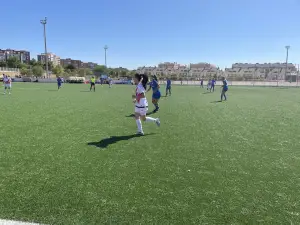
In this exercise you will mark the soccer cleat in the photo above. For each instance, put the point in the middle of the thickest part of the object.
(157, 122)
(156, 110)
(140, 133)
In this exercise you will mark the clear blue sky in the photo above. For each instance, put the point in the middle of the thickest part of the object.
(146, 32)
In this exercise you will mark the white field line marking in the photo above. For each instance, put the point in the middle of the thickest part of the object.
(29, 88)
(12, 222)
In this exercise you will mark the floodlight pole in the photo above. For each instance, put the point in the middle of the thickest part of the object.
(297, 74)
(286, 61)
(44, 22)
(105, 49)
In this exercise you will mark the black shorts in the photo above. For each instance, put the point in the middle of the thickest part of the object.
(92, 84)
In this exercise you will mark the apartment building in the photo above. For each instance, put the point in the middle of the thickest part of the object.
(51, 58)
(22, 55)
(68, 61)
(77, 63)
(89, 65)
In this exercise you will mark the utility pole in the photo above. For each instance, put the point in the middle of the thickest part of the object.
(297, 74)
(44, 22)
(286, 61)
(105, 49)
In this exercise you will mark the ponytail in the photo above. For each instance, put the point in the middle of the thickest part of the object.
(145, 80)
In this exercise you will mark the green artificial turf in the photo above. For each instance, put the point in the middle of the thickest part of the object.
(70, 157)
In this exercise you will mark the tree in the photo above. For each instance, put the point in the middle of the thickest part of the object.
(58, 70)
(111, 73)
(50, 65)
(84, 72)
(81, 72)
(100, 69)
(24, 71)
(38, 71)
(70, 67)
(33, 62)
(123, 73)
(89, 72)
(13, 62)
(3, 64)
(23, 65)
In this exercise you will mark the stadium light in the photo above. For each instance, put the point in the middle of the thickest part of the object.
(44, 22)
(286, 62)
(105, 49)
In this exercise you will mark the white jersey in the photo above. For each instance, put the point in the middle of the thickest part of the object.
(7, 81)
(141, 102)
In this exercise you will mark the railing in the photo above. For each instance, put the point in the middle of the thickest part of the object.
(4, 69)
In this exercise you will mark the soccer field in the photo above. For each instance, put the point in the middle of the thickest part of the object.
(71, 157)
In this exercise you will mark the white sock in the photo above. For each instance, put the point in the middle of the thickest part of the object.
(139, 125)
(150, 119)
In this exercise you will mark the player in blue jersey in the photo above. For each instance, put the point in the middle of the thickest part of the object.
(156, 93)
(168, 88)
(201, 83)
(224, 89)
(212, 85)
(59, 82)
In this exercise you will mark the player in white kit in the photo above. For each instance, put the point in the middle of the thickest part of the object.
(141, 103)
(7, 84)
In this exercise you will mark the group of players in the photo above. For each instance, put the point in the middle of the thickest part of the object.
(60, 80)
(141, 103)
(140, 100)
(211, 87)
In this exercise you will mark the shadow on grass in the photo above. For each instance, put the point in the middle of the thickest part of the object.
(148, 114)
(86, 91)
(207, 93)
(216, 101)
(114, 139)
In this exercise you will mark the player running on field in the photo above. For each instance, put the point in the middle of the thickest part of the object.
(141, 103)
(110, 81)
(156, 93)
(212, 85)
(7, 84)
(224, 89)
(168, 87)
(201, 83)
(59, 82)
(93, 84)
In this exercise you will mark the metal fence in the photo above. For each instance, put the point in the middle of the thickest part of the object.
(266, 83)
(4, 69)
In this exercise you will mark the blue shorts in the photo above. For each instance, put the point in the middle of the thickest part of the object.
(225, 89)
(58, 84)
(156, 95)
